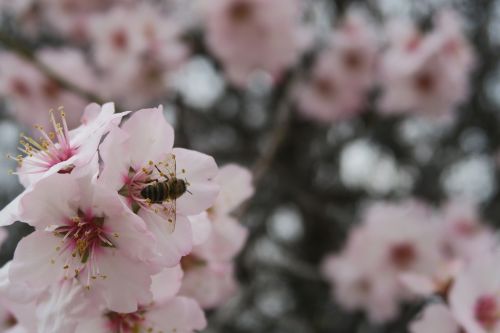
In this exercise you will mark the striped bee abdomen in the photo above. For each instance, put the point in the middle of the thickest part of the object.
(156, 193)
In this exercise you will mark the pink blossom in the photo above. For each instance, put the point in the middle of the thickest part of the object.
(141, 152)
(210, 283)
(138, 49)
(436, 318)
(393, 239)
(235, 27)
(344, 72)
(17, 304)
(475, 296)
(179, 314)
(208, 269)
(227, 236)
(465, 237)
(71, 18)
(30, 94)
(83, 231)
(61, 151)
(427, 74)
(64, 305)
(168, 312)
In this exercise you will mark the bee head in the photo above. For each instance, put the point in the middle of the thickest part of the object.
(180, 187)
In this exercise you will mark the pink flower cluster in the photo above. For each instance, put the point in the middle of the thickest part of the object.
(134, 49)
(416, 72)
(117, 210)
(408, 251)
(251, 35)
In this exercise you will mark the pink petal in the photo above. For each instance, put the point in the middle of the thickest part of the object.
(151, 135)
(235, 187)
(171, 246)
(167, 283)
(181, 315)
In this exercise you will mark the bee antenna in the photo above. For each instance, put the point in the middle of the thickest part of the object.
(188, 191)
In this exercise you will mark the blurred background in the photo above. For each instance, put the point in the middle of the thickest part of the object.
(314, 170)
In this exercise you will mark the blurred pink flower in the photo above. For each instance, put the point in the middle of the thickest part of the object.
(250, 35)
(475, 296)
(83, 231)
(138, 48)
(344, 73)
(426, 74)
(464, 236)
(140, 152)
(392, 239)
(30, 94)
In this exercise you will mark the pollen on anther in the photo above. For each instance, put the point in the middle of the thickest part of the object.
(66, 266)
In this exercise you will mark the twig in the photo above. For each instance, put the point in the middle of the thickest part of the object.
(28, 55)
(278, 136)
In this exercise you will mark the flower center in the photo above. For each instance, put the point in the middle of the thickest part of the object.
(83, 236)
(425, 83)
(466, 228)
(51, 89)
(10, 321)
(51, 149)
(119, 40)
(241, 11)
(324, 87)
(126, 322)
(20, 87)
(191, 261)
(155, 186)
(353, 59)
(487, 311)
(403, 255)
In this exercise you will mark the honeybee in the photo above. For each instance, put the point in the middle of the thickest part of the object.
(166, 191)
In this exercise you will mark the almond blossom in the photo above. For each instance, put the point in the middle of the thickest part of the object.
(344, 72)
(30, 93)
(84, 232)
(465, 236)
(475, 296)
(426, 73)
(208, 269)
(392, 240)
(168, 312)
(138, 49)
(235, 27)
(179, 314)
(141, 153)
(61, 151)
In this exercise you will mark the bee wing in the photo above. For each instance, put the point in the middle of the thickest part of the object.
(170, 166)
(170, 215)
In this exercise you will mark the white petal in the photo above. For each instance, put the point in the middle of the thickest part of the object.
(151, 136)
(167, 283)
(171, 246)
(182, 315)
(235, 187)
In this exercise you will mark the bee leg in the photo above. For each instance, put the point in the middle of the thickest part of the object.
(161, 173)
